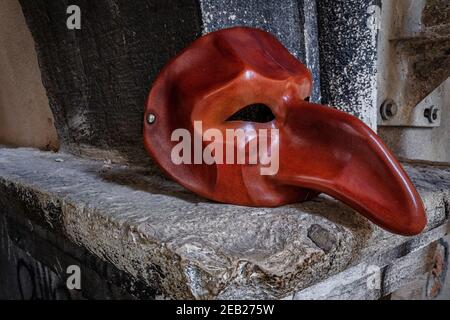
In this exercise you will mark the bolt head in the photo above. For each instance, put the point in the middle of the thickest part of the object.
(435, 115)
(391, 110)
(388, 109)
(431, 114)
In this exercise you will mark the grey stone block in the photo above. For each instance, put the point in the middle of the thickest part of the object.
(98, 78)
(183, 246)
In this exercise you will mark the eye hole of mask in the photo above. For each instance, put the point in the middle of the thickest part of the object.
(257, 112)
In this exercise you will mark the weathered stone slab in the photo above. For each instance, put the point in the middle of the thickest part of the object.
(377, 277)
(184, 246)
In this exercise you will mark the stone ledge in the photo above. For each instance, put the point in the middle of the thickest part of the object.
(183, 246)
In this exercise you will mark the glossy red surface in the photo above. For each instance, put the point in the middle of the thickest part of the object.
(320, 149)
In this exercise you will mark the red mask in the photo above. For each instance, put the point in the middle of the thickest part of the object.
(320, 149)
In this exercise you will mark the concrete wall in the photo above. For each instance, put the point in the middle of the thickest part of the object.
(25, 116)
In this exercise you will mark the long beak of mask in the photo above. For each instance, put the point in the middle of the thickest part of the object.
(228, 119)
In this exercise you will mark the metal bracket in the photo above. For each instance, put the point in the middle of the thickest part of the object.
(427, 113)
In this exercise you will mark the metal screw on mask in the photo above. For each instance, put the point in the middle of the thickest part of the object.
(151, 118)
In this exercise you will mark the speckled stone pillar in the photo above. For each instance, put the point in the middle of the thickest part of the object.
(348, 56)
